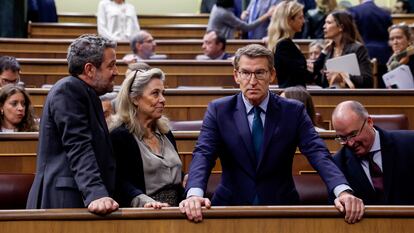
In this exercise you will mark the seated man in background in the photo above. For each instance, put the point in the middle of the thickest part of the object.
(9, 71)
(378, 164)
(214, 46)
(143, 45)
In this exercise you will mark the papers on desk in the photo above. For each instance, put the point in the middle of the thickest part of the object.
(399, 78)
(347, 63)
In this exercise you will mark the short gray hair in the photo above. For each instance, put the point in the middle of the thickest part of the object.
(253, 51)
(139, 37)
(87, 48)
(133, 87)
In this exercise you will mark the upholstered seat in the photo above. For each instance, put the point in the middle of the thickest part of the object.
(391, 121)
(14, 189)
(186, 125)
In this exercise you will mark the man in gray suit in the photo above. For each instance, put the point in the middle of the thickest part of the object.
(75, 165)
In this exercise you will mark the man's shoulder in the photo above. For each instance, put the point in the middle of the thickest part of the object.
(223, 101)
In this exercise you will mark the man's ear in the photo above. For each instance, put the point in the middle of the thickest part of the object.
(272, 75)
(89, 70)
(236, 76)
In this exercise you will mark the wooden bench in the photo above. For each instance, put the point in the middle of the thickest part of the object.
(174, 48)
(36, 72)
(190, 104)
(144, 20)
(399, 18)
(18, 151)
(74, 30)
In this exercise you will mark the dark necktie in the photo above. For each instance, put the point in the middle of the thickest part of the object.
(257, 132)
(376, 174)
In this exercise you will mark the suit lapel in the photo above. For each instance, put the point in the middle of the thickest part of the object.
(242, 124)
(357, 173)
(272, 118)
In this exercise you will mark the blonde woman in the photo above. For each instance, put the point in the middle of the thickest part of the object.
(148, 165)
(290, 63)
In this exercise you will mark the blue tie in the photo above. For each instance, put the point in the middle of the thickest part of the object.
(257, 132)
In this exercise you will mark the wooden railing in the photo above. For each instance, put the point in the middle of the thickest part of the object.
(240, 219)
(74, 30)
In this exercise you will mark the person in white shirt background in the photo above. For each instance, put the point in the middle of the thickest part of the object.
(117, 20)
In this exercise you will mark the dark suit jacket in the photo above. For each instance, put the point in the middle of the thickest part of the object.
(397, 151)
(373, 23)
(290, 65)
(75, 164)
(130, 171)
(225, 133)
(364, 80)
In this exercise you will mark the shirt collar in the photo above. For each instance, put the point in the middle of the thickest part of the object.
(376, 146)
(262, 105)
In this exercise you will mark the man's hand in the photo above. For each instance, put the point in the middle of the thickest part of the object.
(104, 205)
(192, 207)
(352, 206)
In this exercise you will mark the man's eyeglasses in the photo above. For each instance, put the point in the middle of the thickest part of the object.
(259, 74)
(5, 80)
(344, 139)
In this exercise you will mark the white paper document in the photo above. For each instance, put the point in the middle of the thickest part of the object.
(399, 78)
(347, 63)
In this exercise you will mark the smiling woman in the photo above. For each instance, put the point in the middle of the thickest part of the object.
(149, 168)
(16, 111)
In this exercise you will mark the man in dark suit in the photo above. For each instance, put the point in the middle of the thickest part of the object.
(214, 47)
(75, 165)
(255, 133)
(373, 23)
(377, 163)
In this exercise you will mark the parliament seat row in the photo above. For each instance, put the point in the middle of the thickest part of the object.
(144, 20)
(182, 18)
(190, 104)
(15, 187)
(74, 30)
(173, 48)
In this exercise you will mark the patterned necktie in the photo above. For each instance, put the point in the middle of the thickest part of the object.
(257, 132)
(376, 174)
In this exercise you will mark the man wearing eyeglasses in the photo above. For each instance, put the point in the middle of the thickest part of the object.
(9, 71)
(377, 163)
(143, 47)
(255, 134)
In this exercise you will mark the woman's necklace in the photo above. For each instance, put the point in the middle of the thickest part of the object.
(337, 52)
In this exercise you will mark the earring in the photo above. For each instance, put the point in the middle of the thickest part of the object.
(2, 112)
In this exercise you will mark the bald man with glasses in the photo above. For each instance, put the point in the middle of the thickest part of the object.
(378, 164)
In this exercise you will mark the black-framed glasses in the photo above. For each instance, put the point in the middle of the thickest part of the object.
(259, 74)
(344, 139)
